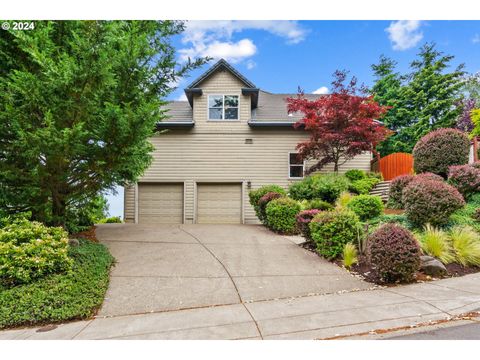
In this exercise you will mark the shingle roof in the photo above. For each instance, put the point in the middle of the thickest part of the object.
(218, 65)
(180, 111)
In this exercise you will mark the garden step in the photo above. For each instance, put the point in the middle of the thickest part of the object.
(382, 189)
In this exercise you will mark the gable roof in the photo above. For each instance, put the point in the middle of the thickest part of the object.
(221, 64)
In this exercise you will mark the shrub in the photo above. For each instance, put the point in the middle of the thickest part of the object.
(263, 202)
(255, 195)
(349, 255)
(430, 201)
(466, 245)
(476, 215)
(325, 187)
(465, 178)
(355, 174)
(396, 188)
(113, 220)
(318, 204)
(435, 242)
(466, 215)
(476, 164)
(343, 200)
(363, 186)
(366, 206)
(393, 253)
(331, 230)
(440, 149)
(304, 218)
(29, 250)
(81, 216)
(76, 294)
(428, 176)
(281, 215)
(375, 175)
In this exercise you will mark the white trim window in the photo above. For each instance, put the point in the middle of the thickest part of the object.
(223, 107)
(296, 167)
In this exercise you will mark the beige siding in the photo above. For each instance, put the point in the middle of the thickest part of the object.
(216, 151)
(221, 83)
(129, 204)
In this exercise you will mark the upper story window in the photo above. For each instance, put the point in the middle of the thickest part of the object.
(223, 107)
(296, 167)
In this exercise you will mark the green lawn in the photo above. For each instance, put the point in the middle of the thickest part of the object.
(73, 295)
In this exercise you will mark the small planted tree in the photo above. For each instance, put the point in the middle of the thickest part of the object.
(342, 124)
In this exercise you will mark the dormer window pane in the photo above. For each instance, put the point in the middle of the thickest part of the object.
(223, 107)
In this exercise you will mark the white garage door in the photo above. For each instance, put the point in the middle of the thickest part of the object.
(219, 203)
(160, 203)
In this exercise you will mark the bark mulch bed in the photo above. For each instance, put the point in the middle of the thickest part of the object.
(87, 234)
(393, 211)
(363, 269)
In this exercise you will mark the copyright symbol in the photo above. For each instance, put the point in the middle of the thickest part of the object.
(5, 26)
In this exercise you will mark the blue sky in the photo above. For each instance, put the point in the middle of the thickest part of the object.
(279, 56)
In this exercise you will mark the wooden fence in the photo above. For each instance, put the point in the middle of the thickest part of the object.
(394, 165)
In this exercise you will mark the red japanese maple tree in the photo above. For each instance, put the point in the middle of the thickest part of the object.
(342, 124)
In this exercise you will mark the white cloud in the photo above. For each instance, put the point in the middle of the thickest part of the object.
(214, 38)
(182, 97)
(404, 34)
(251, 64)
(321, 91)
(476, 39)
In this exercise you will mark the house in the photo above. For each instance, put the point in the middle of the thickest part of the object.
(228, 137)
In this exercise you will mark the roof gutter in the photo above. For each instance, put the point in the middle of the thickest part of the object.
(253, 123)
(189, 92)
(180, 124)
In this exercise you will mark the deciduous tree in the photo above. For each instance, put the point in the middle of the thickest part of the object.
(342, 124)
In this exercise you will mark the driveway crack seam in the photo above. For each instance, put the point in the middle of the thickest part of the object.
(229, 275)
(419, 300)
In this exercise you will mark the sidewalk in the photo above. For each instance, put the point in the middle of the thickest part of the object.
(306, 317)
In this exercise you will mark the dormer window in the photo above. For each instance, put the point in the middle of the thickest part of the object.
(223, 107)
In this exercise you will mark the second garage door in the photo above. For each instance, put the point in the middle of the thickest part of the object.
(160, 203)
(219, 203)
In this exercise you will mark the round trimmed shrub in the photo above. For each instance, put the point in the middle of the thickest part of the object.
(263, 202)
(440, 149)
(326, 187)
(393, 253)
(304, 218)
(355, 174)
(281, 215)
(318, 204)
(396, 188)
(428, 176)
(366, 206)
(476, 164)
(430, 201)
(331, 230)
(255, 195)
(465, 178)
(30, 250)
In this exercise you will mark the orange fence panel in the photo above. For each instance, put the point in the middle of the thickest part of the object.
(396, 164)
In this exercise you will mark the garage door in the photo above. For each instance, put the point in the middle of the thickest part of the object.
(219, 203)
(160, 203)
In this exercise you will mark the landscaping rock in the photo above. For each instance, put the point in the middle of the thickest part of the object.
(73, 242)
(431, 266)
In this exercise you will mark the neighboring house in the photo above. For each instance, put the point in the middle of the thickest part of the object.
(228, 138)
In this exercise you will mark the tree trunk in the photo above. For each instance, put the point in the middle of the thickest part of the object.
(58, 209)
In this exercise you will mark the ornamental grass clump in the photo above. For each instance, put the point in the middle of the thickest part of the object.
(304, 218)
(349, 255)
(331, 230)
(393, 253)
(436, 242)
(281, 215)
(430, 202)
(466, 245)
(465, 178)
(440, 149)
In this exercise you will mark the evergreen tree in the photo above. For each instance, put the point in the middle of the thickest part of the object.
(78, 102)
(422, 101)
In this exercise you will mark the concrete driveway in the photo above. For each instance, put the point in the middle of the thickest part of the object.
(173, 267)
